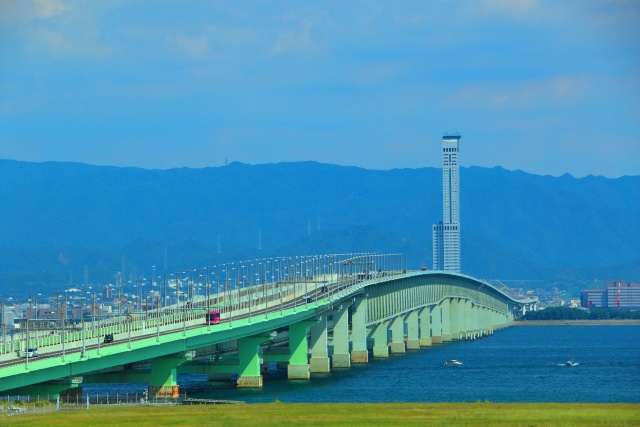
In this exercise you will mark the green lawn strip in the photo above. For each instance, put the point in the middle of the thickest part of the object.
(320, 414)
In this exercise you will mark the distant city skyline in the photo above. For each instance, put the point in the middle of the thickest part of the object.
(541, 86)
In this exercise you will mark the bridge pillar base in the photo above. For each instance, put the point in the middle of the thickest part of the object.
(298, 372)
(436, 340)
(413, 344)
(446, 337)
(425, 342)
(341, 360)
(359, 356)
(398, 347)
(319, 365)
(380, 351)
(253, 381)
(170, 391)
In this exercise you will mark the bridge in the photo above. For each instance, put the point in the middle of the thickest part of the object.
(308, 313)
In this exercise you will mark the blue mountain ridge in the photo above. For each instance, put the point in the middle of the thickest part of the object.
(64, 223)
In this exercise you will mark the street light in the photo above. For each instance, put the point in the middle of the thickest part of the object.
(157, 318)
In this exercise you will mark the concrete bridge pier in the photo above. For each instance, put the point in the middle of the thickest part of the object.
(413, 330)
(298, 368)
(457, 316)
(249, 375)
(473, 320)
(424, 316)
(436, 324)
(341, 357)
(359, 351)
(464, 312)
(163, 379)
(380, 335)
(396, 327)
(319, 361)
(445, 307)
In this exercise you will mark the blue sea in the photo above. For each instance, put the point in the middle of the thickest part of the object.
(517, 364)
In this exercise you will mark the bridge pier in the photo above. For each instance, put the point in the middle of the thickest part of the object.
(445, 307)
(380, 335)
(298, 368)
(319, 361)
(424, 316)
(436, 324)
(396, 327)
(359, 352)
(413, 334)
(163, 379)
(341, 358)
(249, 375)
(456, 307)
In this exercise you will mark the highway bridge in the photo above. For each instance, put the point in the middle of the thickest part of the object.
(308, 313)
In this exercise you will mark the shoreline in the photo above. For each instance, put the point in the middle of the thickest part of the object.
(599, 322)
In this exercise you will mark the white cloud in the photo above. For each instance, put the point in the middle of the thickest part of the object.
(298, 40)
(45, 9)
(522, 95)
(190, 46)
(19, 12)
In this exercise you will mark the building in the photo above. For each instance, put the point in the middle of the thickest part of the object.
(617, 294)
(446, 234)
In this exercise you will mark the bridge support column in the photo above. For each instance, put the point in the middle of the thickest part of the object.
(445, 306)
(359, 351)
(341, 358)
(319, 360)
(380, 335)
(474, 327)
(456, 310)
(464, 314)
(424, 314)
(436, 324)
(163, 378)
(249, 369)
(298, 368)
(413, 334)
(397, 335)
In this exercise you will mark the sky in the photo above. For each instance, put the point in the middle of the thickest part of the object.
(547, 87)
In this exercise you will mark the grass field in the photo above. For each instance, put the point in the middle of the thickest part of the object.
(321, 414)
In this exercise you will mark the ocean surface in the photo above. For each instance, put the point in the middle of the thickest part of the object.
(517, 364)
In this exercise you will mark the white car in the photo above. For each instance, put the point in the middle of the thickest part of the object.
(31, 352)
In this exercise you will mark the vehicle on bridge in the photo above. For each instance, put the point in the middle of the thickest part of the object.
(108, 338)
(30, 352)
(212, 317)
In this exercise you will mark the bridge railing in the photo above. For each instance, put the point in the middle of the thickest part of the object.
(255, 287)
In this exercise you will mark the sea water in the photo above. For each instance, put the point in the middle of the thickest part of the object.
(517, 364)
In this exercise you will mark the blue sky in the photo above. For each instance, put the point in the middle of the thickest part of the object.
(548, 87)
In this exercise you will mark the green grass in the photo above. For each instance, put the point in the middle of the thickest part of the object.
(323, 414)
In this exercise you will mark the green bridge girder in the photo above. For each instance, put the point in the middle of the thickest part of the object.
(388, 310)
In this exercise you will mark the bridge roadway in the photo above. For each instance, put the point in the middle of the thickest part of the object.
(311, 313)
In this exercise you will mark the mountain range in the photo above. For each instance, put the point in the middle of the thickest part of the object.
(69, 224)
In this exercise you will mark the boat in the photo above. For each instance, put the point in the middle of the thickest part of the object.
(571, 363)
(453, 362)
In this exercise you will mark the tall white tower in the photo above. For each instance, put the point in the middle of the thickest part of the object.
(446, 235)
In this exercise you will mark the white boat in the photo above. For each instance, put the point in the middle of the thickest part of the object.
(571, 363)
(453, 362)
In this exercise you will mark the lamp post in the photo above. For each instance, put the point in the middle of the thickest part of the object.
(2, 322)
(129, 325)
(146, 304)
(64, 327)
(82, 355)
(158, 318)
